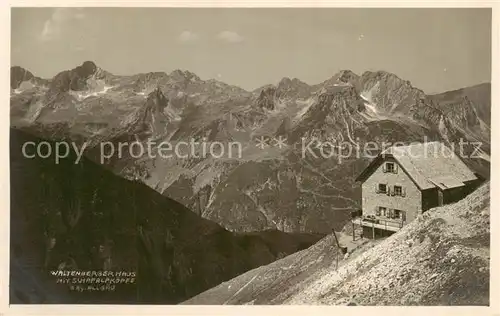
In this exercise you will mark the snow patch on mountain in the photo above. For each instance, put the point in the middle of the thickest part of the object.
(371, 112)
(306, 104)
(367, 94)
(84, 95)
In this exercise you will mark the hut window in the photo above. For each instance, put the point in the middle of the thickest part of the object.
(380, 210)
(398, 190)
(399, 214)
(389, 167)
(382, 188)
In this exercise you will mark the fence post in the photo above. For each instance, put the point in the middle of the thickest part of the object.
(353, 237)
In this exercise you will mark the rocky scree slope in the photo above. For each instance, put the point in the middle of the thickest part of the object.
(441, 258)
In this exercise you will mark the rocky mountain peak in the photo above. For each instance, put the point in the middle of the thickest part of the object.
(77, 79)
(86, 69)
(156, 100)
(379, 75)
(286, 89)
(286, 82)
(389, 92)
(346, 76)
(18, 75)
(335, 110)
(292, 89)
(151, 118)
(148, 81)
(344, 94)
(265, 100)
(184, 75)
(461, 111)
(390, 80)
(478, 97)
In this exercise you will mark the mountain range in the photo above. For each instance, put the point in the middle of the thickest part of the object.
(275, 187)
(67, 216)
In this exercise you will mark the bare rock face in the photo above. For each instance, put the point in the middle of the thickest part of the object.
(77, 79)
(19, 75)
(22, 79)
(390, 93)
(150, 81)
(184, 76)
(462, 112)
(343, 77)
(476, 98)
(347, 76)
(273, 96)
(266, 98)
(469, 108)
(334, 109)
(292, 89)
(151, 117)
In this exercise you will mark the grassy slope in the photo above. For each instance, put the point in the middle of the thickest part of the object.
(92, 214)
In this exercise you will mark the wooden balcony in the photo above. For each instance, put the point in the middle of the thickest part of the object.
(380, 222)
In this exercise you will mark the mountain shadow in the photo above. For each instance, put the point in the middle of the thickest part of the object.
(82, 217)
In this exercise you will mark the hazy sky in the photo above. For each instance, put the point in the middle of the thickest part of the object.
(436, 49)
